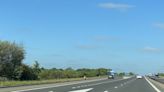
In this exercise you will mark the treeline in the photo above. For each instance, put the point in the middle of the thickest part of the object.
(71, 73)
(13, 68)
(35, 72)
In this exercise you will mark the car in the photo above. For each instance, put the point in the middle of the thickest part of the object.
(110, 77)
(139, 77)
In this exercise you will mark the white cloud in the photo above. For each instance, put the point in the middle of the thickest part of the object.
(117, 6)
(159, 25)
(151, 49)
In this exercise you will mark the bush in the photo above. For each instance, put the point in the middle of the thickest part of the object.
(28, 73)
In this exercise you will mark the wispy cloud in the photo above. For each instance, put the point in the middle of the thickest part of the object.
(159, 25)
(151, 49)
(117, 6)
(104, 38)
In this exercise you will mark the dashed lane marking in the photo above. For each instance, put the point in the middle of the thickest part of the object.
(82, 90)
(39, 88)
(115, 87)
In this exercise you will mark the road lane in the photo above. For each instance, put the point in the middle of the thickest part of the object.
(111, 85)
(139, 85)
(119, 85)
(80, 86)
(44, 86)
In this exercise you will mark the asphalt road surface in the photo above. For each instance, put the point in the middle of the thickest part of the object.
(118, 85)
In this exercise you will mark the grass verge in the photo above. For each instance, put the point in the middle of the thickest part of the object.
(38, 82)
(35, 82)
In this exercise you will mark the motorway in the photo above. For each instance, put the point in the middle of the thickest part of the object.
(106, 85)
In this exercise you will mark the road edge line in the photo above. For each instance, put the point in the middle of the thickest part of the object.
(156, 89)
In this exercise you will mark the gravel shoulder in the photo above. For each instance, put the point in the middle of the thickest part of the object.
(157, 84)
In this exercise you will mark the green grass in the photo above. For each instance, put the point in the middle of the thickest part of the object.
(36, 82)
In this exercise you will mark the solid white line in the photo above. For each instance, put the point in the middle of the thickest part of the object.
(156, 89)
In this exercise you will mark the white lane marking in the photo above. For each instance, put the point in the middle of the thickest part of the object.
(70, 84)
(89, 85)
(73, 87)
(115, 87)
(106, 91)
(61, 85)
(82, 90)
(50, 91)
(156, 89)
(105, 82)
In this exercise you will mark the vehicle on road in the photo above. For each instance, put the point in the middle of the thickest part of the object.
(139, 77)
(111, 74)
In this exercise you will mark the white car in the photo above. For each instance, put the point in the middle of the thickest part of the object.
(139, 77)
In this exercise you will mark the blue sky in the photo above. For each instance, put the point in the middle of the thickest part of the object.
(126, 35)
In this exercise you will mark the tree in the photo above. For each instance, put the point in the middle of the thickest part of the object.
(121, 74)
(101, 71)
(36, 67)
(27, 73)
(131, 73)
(11, 57)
